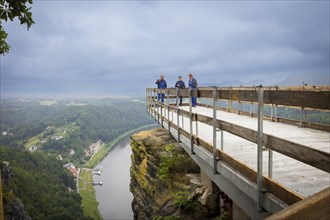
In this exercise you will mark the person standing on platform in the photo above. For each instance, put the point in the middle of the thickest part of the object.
(180, 85)
(193, 87)
(161, 84)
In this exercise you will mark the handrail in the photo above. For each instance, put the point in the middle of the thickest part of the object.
(304, 97)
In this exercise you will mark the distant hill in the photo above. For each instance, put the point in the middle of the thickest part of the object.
(237, 83)
(67, 129)
(308, 78)
(292, 80)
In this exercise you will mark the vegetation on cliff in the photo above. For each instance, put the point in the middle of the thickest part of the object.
(161, 179)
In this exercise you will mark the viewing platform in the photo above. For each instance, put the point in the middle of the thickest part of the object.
(264, 162)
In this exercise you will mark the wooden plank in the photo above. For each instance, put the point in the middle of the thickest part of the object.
(309, 99)
(315, 207)
(321, 127)
(310, 156)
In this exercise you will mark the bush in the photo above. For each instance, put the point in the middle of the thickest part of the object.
(168, 163)
(181, 200)
(224, 216)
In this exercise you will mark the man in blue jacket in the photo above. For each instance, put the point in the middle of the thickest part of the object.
(161, 84)
(193, 87)
(180, 85)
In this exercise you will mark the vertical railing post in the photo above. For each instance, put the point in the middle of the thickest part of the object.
(157, 105)
(164, 103)
(260, 146)
(275, 113)
(161, 110)
(301, 124)
(270, 163)
(147, 100)
(221, 140)
(172, 116)
(168, 110)
(191, 126)
(196, 125)
(172, 111)
(275, 110)
(150, 101)
(177, 113)
(271, 112)
(251, 109)
(215, 130)
(154, 96)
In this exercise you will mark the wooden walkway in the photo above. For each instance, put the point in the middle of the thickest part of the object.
(297, 176)
(264, 163)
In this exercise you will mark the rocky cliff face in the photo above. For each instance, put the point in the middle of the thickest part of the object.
(13, 206)
(165, 181)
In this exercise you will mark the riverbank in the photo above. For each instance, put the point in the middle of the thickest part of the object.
(87, 191)
(97, 158)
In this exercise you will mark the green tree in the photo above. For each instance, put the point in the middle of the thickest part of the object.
(10, 9)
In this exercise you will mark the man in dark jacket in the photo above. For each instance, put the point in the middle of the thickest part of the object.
(161, 84)
(193, 87)
(180, 85)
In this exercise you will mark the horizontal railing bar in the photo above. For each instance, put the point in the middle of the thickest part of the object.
(314, 98)
(313, 157)
(322, 127)
(306, 124)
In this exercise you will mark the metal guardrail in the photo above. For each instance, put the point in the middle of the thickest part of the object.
(302, 97)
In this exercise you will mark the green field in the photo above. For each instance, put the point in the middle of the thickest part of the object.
(60, 131)
(98, 156)
(33, 141)
(87, 193)
(48, 102)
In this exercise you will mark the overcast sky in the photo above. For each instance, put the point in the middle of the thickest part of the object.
(109, 48)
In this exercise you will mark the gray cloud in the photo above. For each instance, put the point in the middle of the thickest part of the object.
(119, 48)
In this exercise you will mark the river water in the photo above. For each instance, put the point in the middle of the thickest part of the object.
(113, 196)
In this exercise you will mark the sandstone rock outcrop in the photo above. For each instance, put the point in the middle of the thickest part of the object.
(165, 181)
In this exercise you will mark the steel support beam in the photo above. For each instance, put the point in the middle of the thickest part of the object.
(191, 123)
(168, 109)
(260, 146)
(214, 131)
(177, 113)
(270, 163)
